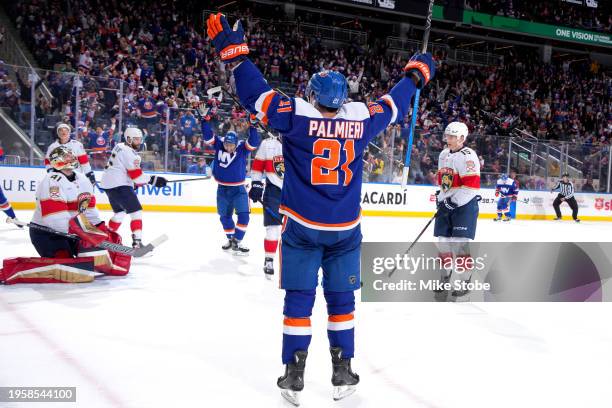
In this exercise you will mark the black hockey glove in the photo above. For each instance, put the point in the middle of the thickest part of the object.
(256, 191)
(446, 205)
(158, 181)
(92, 177)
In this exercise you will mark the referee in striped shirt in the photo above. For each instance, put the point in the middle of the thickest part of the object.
(566, 193)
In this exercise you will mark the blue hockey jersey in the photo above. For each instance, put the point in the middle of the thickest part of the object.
(323, 157)
(508, 188)
(230, 169)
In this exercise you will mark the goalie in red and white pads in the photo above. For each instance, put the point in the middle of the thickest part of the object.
(65, 203)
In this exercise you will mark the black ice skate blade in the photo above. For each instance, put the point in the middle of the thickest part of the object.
(343, 391)
(293, 397)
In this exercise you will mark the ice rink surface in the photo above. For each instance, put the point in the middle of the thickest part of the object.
(192, 326)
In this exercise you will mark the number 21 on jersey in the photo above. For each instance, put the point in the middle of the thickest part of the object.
(323, 166)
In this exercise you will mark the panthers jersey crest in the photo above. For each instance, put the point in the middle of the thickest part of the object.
(279, 166)
(446, 178)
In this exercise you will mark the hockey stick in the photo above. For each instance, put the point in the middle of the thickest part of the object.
(272, 214)
(517, 200)
(416, 240)
(188, 179)
(135, 252)
(415, 105)
(261, 126)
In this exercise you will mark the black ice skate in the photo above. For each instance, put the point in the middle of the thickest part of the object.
(136, 242)
(557, 218)
(498, 218)
(269, 268)
(228, 245)
(292, 383)
(506, 219)
(344, 379)
(577, 220)
(238, 248)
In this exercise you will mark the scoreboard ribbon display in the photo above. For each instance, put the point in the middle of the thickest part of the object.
(404, 6)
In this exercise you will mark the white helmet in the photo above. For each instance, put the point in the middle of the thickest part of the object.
(61, 126)
(457, 129)
(131, 133)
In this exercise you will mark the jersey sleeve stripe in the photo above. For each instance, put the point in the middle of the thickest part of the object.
(47, 162)
(83, 159)
(258, 165)
(263, 102)
(472, 181)
(49, 207)
(388, 100)
(249, 147)
(134, 173)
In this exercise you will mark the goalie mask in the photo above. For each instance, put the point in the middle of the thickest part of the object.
(62, 158)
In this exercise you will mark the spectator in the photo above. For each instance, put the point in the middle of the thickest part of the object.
(200, 167)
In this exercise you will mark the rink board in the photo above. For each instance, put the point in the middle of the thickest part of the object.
(19, 185)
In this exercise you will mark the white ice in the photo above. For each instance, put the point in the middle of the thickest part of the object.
(192, 326)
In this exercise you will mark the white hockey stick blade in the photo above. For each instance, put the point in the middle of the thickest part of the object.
(150, 246)
(292, 396)
(343, 391)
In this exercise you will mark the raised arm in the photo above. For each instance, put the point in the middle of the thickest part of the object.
(396, 104)
(253, 91)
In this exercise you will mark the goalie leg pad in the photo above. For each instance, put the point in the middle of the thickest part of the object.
(47, 270)
(110, 263)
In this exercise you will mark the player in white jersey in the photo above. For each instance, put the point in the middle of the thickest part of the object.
(459, 181)
(77, 149)
(65, 204)
(61, 195)
(121, 175)
(269, 162)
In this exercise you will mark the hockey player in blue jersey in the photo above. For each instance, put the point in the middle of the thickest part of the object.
(506, 192)
(229, 171)
(6, 207)
(323, 143)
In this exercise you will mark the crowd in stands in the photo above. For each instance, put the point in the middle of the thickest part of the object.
(160, 52)
(590, 15)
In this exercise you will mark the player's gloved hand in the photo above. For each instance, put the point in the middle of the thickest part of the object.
(92, 177)
(158, 181)
(256, 191)
(229, 42)
(447, 205)
(92, 236)
(423, 66)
